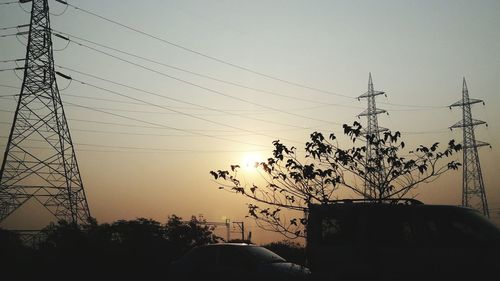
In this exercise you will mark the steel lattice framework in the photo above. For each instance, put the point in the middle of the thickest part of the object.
(473, 193)
(39, 161)
(374, 168)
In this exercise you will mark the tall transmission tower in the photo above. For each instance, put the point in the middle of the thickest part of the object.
(473, 193)
(374, 172)
(39, 161)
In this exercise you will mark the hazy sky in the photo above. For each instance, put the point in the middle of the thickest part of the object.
(156, 161)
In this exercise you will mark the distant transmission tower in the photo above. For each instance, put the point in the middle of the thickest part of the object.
(374, 172)
(473, 193)
(39, 161)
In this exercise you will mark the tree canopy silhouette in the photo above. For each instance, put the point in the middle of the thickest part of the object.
(292, 182)
(139, 248)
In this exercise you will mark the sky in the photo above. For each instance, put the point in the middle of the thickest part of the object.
(227, 78)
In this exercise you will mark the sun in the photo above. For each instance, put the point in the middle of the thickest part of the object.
(251, 160)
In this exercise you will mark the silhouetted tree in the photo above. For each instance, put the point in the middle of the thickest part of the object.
(291, 183)
(289, 250)
(125, 249)
(14, 255)
(186, 235)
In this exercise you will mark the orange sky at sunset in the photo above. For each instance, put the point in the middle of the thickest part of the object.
(229, 77)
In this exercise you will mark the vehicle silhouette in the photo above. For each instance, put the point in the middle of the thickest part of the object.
(235, 261)
(400, 240)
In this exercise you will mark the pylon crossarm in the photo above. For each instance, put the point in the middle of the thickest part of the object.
(472, 123)
(462, 103)
(371, 94)
(368, 113)
(478, 144)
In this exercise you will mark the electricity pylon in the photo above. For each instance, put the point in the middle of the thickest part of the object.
(473, 193)
(375, 172)
(39, 161)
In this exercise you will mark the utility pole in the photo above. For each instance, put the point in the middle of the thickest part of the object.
(374, 171)
(473, 193)
(226, 224)
(39, 161)
(240, 229)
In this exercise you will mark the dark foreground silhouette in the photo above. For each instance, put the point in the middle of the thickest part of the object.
(235, 261)
(138, 249)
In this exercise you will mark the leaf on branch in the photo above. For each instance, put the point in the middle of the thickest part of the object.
(234, 180)
(252, 210)
(454, 165)
(239, 190)
(266, 168)
(422, 168)
(434, 146)
(223, 174)
(270, 162)
(234, 167)
(387, 135)
(214, 174)
(275, 212)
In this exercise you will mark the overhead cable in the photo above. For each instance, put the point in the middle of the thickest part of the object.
(71, 37)
(234, 65)
(206, 88)
(164, 126)
(170, 98)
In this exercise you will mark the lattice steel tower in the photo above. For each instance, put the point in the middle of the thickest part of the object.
(375, 172)
(473, 193)
(39, 161)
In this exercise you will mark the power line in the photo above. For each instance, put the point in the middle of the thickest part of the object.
(412, 105)
(146, 148)
(8, 35)
(421, 107)
(9, 86)
(8, 69)
(220, 61)
(197, 117)
(179, 107)
(6, 96)
(147, 134)
(196, 73)
(229, 63)
(102, 99)
(17, 27)
(166, 108)
(211, 130)
(440, 132)
(182, 113)
(164, 126)
(166, 97)
(243, 115)
(205, 88)
(150, 127)
(12, 60)
(208, 56)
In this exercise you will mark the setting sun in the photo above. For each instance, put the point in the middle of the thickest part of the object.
(251, 160)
